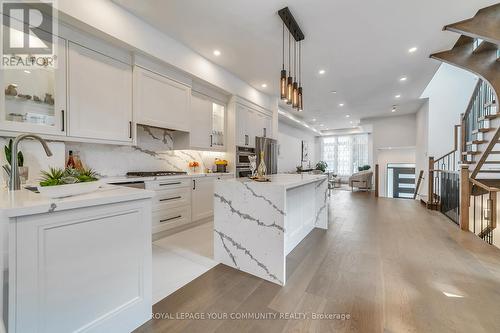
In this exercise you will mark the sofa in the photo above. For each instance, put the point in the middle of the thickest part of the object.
(362, 180)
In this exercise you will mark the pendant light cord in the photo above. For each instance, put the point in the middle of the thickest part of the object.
(289, 62)
(300, 63)
(283, 47)
(294, 60)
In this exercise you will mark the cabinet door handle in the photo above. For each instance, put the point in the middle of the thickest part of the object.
(211, 140)
(62, 121)
(166, 184)
(173, 198)
(130, 130)
(264, 131)
(171, 218)
(246, 140)
(194, 184)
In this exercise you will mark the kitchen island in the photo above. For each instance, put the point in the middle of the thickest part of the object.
(81, 263)
(257, 224)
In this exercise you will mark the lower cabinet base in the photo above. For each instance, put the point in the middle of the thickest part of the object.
(83, 270)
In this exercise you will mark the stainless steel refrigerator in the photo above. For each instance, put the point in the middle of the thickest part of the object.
(270, 148)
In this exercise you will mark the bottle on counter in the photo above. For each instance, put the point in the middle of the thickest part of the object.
(71, 161)
(77, 160)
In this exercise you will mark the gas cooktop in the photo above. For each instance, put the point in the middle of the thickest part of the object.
(154, 173)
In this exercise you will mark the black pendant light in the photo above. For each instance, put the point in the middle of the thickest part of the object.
(290, 90)
(295, 92)
(289, 85)
(283, 71)
(301, 105)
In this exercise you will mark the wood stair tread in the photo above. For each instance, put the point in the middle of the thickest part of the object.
(477, 142)
(489, 117)
(489, 171)
(471, 153)
(483, 130)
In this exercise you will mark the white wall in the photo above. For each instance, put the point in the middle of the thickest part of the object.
(290, 141)
(397, 133)
(421, 149)
(449, 93)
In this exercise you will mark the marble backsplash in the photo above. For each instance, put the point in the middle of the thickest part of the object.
(154, 152)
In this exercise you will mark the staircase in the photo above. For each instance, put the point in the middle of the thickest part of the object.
(476, 171)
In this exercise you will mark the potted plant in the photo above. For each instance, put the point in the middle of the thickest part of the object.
(59, 183)
(23, 170)
(321, 165)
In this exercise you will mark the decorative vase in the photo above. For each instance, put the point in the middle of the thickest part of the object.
(262, 170)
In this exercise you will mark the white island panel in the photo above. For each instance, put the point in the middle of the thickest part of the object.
(257, 224)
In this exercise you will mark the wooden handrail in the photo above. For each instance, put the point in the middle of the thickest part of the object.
(484, 186)
(455, 144)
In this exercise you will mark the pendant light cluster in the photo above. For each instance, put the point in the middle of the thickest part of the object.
(290, 88)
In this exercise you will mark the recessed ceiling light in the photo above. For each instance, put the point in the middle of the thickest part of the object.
(321, 71)
(216, 53)
(404, 78)
(350, 122)
(263, 85)
(347, 115)
(413, 49)
(314, 119)
(341, 104)
(321, 125)
(333, 91)
(27, 71)
(397, 96)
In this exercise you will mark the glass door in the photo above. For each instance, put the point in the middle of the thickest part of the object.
(34, 99)
(218, 122)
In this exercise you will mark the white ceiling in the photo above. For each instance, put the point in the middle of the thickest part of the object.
(362, 44)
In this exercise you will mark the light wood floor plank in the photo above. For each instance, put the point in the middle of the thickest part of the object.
(391, 265)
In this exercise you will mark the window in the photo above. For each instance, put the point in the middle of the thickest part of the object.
(344, 154)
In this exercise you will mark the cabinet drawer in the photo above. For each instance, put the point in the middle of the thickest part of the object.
(172, 198)
(170, 218)
(168, 184)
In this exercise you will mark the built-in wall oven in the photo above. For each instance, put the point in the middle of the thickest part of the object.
(242, 161)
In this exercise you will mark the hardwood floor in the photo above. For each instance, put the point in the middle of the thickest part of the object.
(391, 265)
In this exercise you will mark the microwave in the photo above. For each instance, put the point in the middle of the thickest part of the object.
(242, 154)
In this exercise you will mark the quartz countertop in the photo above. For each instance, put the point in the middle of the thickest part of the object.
(25, 202)
(283, 180)
(124, 179)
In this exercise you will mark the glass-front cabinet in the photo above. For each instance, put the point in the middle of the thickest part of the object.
(33, 99)
(207, 123)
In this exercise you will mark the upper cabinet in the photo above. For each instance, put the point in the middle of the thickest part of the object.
(100, 96)
(207, 123)
(160, 101)
(34, 100)
(251, 123)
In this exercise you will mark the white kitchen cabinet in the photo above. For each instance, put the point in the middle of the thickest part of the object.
(100, 96)
(201, 122)
(85, 269)
(250, 124)
(36, 99)
(160, 101)
(207, 123)
(202, 204)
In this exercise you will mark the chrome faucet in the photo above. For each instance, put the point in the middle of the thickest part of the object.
(15, 180)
